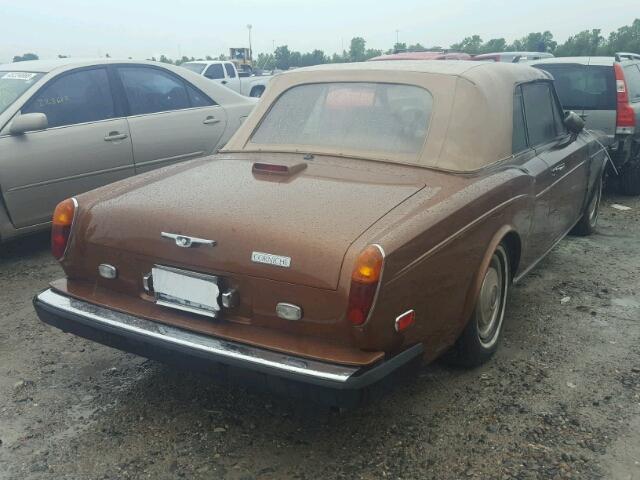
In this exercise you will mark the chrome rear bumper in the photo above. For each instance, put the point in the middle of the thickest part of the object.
(133, 334)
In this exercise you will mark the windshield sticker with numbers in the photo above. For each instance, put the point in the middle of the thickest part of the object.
(26, 76)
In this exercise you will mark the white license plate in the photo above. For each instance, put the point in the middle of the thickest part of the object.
(184, 290)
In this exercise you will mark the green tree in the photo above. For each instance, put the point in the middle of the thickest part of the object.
(625, 39)
(416, 47)
(357, 49)
(266, 61)
(337, 58)
(317, 57)
(282, 56)
(372, 52)
(470, 45)
(494, 45)
(25, 57)
(295, 59)
(585, 43)
(397, 47)
(164, 59)
(535, 42)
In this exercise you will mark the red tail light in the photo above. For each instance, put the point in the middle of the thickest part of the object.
(61, 226)
(365, 280)
(626, 117)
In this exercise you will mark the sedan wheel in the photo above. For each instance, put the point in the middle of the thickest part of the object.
(587, 223)
(493, 296)
(480, 338)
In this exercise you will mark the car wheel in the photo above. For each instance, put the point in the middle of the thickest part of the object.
(630, 178)
(587, 223)
(480, 338)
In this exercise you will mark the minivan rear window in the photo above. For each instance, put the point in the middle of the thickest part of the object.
(584, 87)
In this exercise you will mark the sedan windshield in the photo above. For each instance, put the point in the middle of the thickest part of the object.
(194, 67)
(365, 117)
(14, 84)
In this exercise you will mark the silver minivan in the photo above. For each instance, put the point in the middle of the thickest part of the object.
(605, 91)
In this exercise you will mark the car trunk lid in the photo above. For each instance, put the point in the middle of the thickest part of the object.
(305, 220)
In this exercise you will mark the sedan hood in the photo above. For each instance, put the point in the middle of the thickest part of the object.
(311, 217)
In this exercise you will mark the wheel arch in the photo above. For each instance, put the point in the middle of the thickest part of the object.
(511, 239)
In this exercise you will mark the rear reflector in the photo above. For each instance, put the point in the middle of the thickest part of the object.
(405, 320)
(276, 169)
(61, 226)
(626, 117)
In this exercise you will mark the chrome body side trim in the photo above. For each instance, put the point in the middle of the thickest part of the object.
(246, 354)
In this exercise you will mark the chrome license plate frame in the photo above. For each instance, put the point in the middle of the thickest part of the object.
(186, 290)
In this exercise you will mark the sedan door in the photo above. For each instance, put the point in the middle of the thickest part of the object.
(565, 178)
(86, 145)
(170, 120)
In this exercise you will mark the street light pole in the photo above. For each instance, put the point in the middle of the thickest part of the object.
(249, 26)
(397, 38)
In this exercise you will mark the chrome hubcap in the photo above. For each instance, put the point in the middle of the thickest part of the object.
(492, 299)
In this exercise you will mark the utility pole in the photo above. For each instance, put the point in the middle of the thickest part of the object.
(249, 26)
(397, 37)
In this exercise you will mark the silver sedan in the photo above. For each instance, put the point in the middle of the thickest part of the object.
(68, 126)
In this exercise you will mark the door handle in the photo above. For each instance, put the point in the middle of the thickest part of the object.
(224, 82)
(558, 168)
(113, 136)
(210, 120)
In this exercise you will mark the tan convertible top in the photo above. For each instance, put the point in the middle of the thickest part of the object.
(471, 123)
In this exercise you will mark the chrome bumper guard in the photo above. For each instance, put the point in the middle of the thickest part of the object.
(77, 316)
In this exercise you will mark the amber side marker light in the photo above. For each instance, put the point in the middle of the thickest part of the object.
(365, 280)
(61, 226)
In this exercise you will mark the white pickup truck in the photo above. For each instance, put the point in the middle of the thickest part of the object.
(226, 73)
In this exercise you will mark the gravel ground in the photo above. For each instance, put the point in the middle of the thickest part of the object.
(561, 399)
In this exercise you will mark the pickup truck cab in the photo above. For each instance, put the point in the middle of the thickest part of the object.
(226, 73)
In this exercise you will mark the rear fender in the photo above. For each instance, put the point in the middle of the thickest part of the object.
(474, 289)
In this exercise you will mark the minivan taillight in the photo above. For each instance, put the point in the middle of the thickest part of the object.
(625, 117)
(61, 226)
(365, 280)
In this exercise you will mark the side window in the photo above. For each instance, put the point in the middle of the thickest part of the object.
(150, 90)
(558, 114)
(198, 99)
(632, 76)
(231, 73)
(539, 113)
(519, 142)
(214, 72)
(77, 97)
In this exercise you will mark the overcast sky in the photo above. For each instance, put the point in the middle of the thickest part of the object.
(145, 28)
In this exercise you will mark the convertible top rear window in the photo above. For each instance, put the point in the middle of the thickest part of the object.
(371, 117)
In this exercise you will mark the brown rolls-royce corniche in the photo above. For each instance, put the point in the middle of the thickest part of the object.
(364, 216)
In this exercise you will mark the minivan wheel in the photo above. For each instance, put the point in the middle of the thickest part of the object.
(587, 223)
(630, 178)
(481, 336)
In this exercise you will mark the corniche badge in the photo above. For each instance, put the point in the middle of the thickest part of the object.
(185, 241)
(269, 259)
